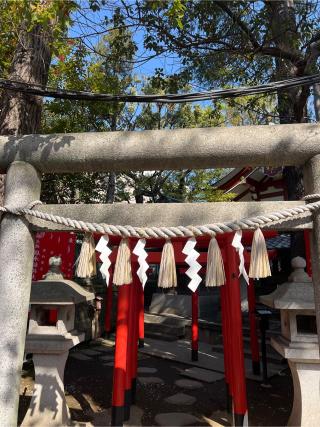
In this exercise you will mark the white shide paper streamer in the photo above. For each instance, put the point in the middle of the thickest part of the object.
(105, 253)
(237, 244)
(194, 266)
(142, 255)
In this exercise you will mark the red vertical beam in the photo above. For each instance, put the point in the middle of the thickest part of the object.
(195, 326)
(254, 341)
(236, 356)
(130, 342)
(141, 316)
(120, 359)
(108, 306)
(308, 252)
(226, 346)
(136, 317)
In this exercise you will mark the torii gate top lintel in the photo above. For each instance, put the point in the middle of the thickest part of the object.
(196, 148)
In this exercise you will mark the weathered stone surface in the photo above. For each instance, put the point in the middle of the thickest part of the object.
(147, 370)
(171, 149)
(188, 384)
(176, 419)
(181, 399)
(172, 214)
(16, 261)
(150, 380)
(202, 374)
(48, 406)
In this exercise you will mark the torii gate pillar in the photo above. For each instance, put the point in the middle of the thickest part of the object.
(16, 260)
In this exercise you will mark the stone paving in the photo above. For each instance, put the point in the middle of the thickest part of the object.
(202, 374)
(188, 384)
(147, 377)
(176, 419)
(181, 401)
(180, 351)
(150, 380)
(146, 370)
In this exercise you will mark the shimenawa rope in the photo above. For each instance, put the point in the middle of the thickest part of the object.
(250, 223)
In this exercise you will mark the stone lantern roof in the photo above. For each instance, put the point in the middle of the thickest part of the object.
(55, 290)
(296, 294)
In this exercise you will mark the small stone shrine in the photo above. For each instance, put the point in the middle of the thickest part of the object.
(299, 342)
(50, 336)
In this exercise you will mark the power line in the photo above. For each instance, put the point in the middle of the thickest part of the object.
(32, 89)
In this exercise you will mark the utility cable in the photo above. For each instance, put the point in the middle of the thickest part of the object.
(33, 89)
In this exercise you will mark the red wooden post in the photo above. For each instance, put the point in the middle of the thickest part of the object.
(108, 306)
(195, 326)
(254, 341)
(120, 359)
(130, 346)
(141, 317)
(236, 356)
(136, 317)
(226, 346)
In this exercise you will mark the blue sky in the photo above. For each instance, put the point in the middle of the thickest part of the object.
(88, 23)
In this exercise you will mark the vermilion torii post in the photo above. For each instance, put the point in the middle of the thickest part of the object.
(195, 326)
(130, 346)
(238, 378)
(120, 358)
(226, 346)
(137, 286)
(254, 340)
(108, 306)
(141, 317)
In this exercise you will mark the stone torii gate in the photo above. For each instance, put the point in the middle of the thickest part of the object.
(24, 157)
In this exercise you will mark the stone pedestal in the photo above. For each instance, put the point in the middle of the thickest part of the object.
(306, 403)
(48, 405)
(299, 342)
(304, 363)
(51, 334)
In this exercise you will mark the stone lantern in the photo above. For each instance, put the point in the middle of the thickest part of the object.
(299, 342)
(51, 334)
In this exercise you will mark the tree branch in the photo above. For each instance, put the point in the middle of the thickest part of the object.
(242, 25)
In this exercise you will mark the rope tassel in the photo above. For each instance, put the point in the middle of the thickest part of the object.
(87, 266)
(259, 262)
(215, 275)
(122, 270)
(167, 272)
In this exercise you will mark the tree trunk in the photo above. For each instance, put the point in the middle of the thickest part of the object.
(21, 113)
(111, 189)
(316, 101)
(291, 103)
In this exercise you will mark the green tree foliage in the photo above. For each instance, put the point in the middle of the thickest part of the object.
(109, 70)
(18, 15)
(237, 42)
